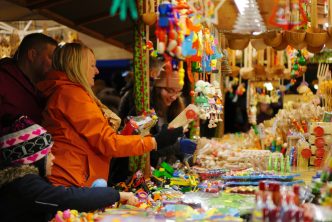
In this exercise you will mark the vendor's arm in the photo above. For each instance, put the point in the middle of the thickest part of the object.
(87, 119)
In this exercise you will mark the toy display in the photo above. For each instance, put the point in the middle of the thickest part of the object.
(243, 176)
(214, 155)
(208, 98)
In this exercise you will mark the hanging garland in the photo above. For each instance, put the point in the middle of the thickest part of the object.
(141, 87)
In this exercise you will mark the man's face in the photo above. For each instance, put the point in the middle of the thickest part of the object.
(43, 61)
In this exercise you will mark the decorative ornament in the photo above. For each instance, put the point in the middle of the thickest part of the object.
(205, 11)
(250, 21)
(288, 14)
(141, 89)
(123, 6)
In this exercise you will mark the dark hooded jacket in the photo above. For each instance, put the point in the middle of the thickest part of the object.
(18, 96)
(26, 196)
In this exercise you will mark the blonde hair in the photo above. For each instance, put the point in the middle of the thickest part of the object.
(71, 58)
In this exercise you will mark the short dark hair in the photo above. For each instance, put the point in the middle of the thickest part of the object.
(34, 40)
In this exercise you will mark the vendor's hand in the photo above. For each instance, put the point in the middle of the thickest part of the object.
(167, 137)
(128, 198)
(187, 146)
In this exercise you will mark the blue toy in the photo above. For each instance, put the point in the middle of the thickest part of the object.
(99, 183)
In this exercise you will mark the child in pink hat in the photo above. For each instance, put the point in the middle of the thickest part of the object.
(25, 161)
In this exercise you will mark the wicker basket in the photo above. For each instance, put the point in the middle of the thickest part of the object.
(259, 70)
(247, 72)
(235, 71)
(300, 45)
(316, 38)
(258, 44)
(314, 49)
(329, 31)
(286, 74)
(149, 18)
(328, 43)
(283, 43)
(295, 38)
(278, 70)
(238, 44)
(275, 41)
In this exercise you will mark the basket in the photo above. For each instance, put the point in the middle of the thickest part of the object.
(329, 31)
(286, 74)
(316, 38)
(258, 44)
(300, 45)
(328, 43)
(235, 71)
(278, 70)
(247, 72)
(275, 41)
(295, 37)
(314, 49)
(259, 70)
(238, 44)
(283, 43)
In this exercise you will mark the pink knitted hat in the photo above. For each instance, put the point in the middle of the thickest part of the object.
(24, 142)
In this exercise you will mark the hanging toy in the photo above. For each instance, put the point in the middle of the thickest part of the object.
(181, 73)
(251, 13)
(187, 46)
(288, 14)
(169, 28)
(123, 6)
(208, 98)
(205, 11)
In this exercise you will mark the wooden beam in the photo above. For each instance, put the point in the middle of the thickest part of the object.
(123, 32)
(45, 4)
(62, 20)
(93, 18)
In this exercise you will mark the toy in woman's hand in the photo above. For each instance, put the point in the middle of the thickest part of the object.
(140, 124)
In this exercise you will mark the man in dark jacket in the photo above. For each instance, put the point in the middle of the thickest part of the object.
(25, 194)
(19, 75)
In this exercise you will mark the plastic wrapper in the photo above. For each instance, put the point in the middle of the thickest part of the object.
(213, 155)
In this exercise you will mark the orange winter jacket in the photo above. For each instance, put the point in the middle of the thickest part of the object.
(84, 143)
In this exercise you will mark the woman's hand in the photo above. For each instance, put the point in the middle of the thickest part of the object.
(128, 198)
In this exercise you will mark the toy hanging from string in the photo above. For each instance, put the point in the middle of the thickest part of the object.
(122, 6)
(250, 21)
(208, 98)
(298, 62)
(168, 32)
(288, 14)
(205, 11)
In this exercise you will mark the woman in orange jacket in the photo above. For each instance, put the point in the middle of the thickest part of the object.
(83, 129)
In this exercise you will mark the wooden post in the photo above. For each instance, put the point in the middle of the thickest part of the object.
(330, 13)
(314, 24)
(221, 125)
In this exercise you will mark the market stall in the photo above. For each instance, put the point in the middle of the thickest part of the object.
(281, 169)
